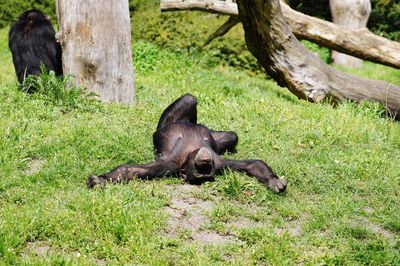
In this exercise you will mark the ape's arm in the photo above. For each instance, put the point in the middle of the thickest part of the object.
(181, 110)
(126, 172)
(259, 169)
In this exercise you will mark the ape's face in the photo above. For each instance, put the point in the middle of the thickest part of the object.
(199, 166)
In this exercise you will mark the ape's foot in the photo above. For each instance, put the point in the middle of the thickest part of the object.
(277, 185)
(95, 181)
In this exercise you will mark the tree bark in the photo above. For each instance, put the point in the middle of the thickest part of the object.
(351, 14)
(95, 37)
(270, 40)
(357, 42)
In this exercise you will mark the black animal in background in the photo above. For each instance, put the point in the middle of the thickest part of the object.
(191, 151)
(32, 42)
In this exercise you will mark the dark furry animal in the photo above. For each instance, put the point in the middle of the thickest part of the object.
(191, 151)
(32, 42)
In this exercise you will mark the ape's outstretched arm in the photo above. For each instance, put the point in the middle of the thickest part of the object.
(126, 172)
(258, 169)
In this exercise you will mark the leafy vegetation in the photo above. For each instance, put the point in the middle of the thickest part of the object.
(11, 9)
(341, 163)
(186, 32)
(385, 18)
(59, 91)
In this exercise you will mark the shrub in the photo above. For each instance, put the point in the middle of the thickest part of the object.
(385, 19)
(11, 9)
(187, 31)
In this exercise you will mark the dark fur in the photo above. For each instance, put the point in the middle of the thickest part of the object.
(191, 151)
(32, 42)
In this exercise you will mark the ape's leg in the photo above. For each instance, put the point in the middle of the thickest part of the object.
(225, 140)
(183, 109)
(125, 173)
(258, 169)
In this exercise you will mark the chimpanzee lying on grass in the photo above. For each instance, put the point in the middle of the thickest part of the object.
(191, 151)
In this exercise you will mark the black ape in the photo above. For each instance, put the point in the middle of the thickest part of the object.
(191, 151)
(32, 42)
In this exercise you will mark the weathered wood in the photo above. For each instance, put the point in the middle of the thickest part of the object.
(220, 7)
(96, 40)
(357, 42)
(351, 14)
(270, 40)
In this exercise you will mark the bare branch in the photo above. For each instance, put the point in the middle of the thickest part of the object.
(219, 7)
(221, 31)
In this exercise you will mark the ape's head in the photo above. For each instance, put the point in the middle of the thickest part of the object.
(34, 16)
(199, 166)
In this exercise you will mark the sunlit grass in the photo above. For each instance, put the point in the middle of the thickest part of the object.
(7, 72)
(341, 206)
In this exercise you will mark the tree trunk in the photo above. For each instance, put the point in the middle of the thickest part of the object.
(270, 40)
(351, 14)
(95, 37)
(357, 42)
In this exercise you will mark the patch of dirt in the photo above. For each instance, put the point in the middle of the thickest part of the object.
(188, 211)
(377, 229)
(244, 222)
(213, 238)
(373, 228)
(100, 262)
(40, 248)
(43, 249)
(33, 167)
(188, 214)
(293, 228)
(369, 210)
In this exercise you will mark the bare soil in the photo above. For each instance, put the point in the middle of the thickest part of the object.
(189, 215)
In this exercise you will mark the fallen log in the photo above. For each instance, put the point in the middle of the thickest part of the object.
(360, 43)
(269, 39)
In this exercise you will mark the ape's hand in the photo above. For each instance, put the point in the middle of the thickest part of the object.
(277, 185)
(95, 181)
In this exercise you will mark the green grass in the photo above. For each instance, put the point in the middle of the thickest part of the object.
(342, 166)
(7, 71)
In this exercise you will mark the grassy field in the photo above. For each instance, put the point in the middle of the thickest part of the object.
(342, 165)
